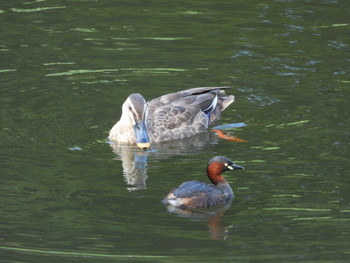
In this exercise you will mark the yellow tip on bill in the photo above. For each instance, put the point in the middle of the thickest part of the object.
(143, 145)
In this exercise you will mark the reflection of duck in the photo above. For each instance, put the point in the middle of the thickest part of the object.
(172, 116)
(194, 194)
(134, 165)
(135, 162)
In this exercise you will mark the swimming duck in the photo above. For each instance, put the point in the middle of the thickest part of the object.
(169, 117)
(195, 194)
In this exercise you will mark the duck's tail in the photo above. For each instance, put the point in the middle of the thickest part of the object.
(226, 101)
(222, 103)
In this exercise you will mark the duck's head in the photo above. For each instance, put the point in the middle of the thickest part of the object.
(217, 166)
(135, 112)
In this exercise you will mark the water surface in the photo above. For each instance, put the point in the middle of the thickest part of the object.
(67, 67)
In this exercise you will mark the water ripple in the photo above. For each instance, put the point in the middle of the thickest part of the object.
(7, 70)
(84, 71)
(152, 38)
(38, 9)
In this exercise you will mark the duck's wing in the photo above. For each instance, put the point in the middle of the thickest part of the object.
(211, 100)
(194, 93)
(186, 113)
(171, 122)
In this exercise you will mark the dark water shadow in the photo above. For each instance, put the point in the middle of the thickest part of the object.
(135, 160)
(217, 229)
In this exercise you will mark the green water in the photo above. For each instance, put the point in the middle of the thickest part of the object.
(66, 67)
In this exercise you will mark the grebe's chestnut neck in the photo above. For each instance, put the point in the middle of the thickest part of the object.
(217, 166)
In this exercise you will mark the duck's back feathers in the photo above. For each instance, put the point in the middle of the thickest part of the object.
(185, 113)
(191, 96)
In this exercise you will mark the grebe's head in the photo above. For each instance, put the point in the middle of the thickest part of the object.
(217, 166)
(225, 163)
(135, 112)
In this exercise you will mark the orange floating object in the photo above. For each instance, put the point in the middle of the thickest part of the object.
(222, 135)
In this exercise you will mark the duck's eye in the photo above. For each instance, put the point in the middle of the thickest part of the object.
(226, 164)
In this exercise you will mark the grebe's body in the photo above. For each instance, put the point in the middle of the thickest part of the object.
(195, 194)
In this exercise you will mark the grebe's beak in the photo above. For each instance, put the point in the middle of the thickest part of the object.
(235, 167)
(141, 135)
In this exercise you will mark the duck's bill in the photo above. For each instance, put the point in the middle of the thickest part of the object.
(141, 135)
(144, 145)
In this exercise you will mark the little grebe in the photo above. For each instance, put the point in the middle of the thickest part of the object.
(195, 194)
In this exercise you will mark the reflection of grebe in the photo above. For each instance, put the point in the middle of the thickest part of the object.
(170, 117)
(218, 230)
(194, 194)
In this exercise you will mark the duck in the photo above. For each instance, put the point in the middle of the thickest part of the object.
(169, 117)
(196, 194)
